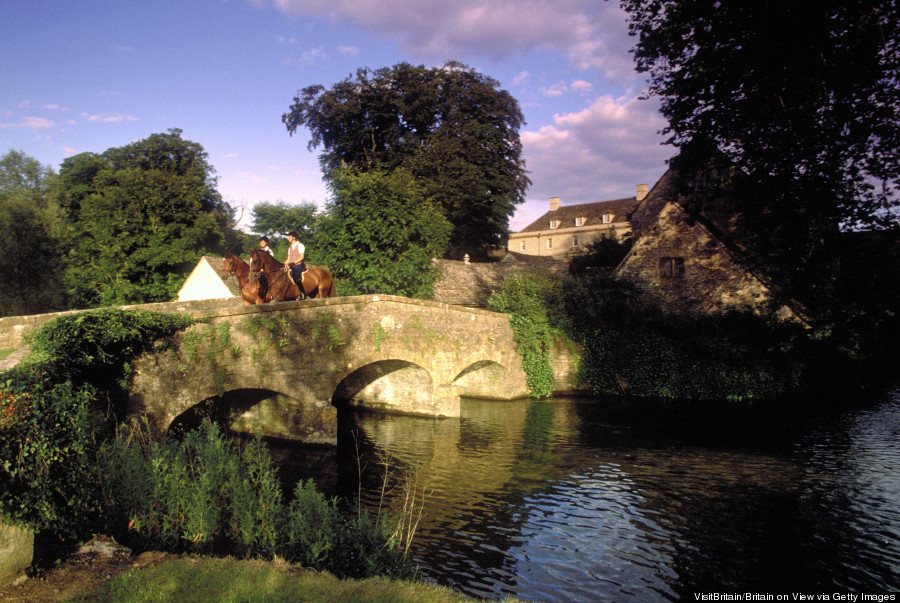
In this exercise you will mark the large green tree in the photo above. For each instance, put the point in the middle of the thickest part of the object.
(141, 216)
(801, 97)
(32, 266)
(380, 233)
(451, 127)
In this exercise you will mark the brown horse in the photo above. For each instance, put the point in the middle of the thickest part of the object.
(317, 281)
(252, 290)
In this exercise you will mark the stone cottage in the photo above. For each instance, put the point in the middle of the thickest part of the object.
(688, 262)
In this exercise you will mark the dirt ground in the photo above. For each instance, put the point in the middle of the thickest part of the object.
(94, 563)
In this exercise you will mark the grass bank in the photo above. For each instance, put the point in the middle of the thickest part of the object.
(216, 579)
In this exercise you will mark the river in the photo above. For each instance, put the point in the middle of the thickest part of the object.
(589, 499)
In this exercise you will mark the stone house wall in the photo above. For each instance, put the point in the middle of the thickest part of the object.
(686, 268)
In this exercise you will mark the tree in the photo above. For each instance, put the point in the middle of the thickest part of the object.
(801, 97)
(141, 216)
(281, 218)
(379, 234)
(451, 127)
(31, 271)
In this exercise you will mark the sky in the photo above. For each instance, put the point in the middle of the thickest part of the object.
(88, 75)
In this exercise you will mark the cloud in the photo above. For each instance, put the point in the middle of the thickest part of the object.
(593, 35)
(521, 78)
(557, 89)
(29, 123)
(109, 119)
(348, 50)
(599, 153)
(582, 86)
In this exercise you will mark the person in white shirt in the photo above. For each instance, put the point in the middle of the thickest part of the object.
(296, 253)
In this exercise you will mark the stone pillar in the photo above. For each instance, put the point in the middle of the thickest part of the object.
(16, 553)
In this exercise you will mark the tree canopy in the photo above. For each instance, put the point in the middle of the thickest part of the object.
(801, 97)
(141, 216)
(451, 127)
(29, 234)
(379, 234)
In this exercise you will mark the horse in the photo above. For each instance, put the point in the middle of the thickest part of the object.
(252, 290)
(317, 281)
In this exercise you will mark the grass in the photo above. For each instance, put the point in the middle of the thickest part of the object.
(5, 353)
(230, 580)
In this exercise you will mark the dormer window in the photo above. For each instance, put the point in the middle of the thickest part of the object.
(579, 221)
(607, 218)
(554, 224)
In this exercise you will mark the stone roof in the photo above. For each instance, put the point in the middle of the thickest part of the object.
(591, 212)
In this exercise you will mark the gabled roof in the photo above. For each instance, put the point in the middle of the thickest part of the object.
(591, 212)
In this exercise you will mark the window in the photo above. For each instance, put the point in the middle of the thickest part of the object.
(575, 241)
(554, 223)
(521, 245)
(549, 243)
(579, 221)
(671, 267)
(607, 218)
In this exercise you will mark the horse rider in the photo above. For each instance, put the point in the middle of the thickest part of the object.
(296, 253)
(264, 245)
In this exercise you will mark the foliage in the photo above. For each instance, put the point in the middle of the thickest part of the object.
(281, 218)
(141, 216)
(203, 494)
(30, 229)
(451, 127)
(801, 99)
(528, 298)
(632, 347)
(58, 405)
(605, 252)
(380, 234)
(47, 478)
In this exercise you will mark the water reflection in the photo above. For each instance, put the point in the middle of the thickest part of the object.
(587, 499)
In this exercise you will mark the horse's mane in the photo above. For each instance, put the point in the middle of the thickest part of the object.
(267, 260)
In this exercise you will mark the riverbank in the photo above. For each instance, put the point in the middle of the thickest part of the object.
(105, 571)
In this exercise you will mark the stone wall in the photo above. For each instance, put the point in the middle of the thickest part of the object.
(712, 281)
(16, 553)
(14, 328)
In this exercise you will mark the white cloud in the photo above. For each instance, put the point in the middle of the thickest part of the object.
(599, 153)
(312, 55)
(593, 35)
(557, 89)
(29, 123)
(521, 78)
(348, 50)
(582, 86)
(109, 118)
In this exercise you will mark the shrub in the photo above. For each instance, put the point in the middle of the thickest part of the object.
(58, 405)
(203, 494)
(528, 299)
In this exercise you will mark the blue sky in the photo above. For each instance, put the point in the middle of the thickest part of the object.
(87, 75)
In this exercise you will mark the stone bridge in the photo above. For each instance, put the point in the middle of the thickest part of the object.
(283, 370)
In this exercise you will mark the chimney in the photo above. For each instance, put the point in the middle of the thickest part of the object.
(641, 192)
(554, 203)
